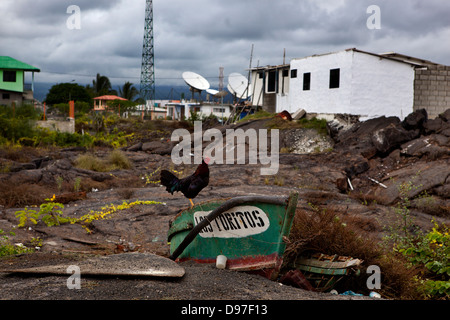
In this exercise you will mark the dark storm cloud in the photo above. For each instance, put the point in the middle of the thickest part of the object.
(203, 35)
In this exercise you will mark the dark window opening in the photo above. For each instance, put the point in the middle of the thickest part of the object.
(271, 81)
(9, 76)
(285, 73)
(307, 81)
(5, 96)
(334, 78)
(294, 73)
(260, 74)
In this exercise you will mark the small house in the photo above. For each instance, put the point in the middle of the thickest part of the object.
(101, 103)
(354, 82)
(13, 87)
(270, 87)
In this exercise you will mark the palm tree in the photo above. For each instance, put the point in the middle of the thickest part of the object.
(102, 86)
(128, 91)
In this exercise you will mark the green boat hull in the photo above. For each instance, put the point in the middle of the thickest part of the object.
(250, 234)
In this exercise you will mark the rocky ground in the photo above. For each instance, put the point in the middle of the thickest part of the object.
(356, 171)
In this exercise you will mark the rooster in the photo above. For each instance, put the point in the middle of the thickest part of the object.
(189, 186)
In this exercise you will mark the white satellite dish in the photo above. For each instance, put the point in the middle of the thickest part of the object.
(231, 90)
(239, 85)
(212, 91)
(195, 81)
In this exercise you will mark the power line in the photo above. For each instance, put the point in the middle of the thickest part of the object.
(119, 77)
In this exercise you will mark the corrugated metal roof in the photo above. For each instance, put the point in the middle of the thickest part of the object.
(10, 63)
(109, 97)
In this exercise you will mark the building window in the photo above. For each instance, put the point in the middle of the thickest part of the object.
(5, 96)
(271, 83)
(260, 74)
(306, 81)
(285, 73)
(9, 76)
(219, 110)
(294, 73)
(334, 78)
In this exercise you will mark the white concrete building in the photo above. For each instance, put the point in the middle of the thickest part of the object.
(179, 110)
(270, 87)
(351, 81)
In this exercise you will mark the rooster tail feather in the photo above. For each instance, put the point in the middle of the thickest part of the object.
(170, 181)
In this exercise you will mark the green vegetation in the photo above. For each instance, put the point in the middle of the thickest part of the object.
(261, 114)
(320, 125)
(51, 214)
(16, 122)
(64, 92)
(17, 126)
(9, 249)
(430, 251)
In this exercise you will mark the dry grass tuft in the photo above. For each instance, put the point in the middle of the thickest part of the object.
(23, 195)
(116, 160)
(326, 232)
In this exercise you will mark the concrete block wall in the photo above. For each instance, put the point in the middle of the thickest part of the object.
(432, 89)
(56, 125)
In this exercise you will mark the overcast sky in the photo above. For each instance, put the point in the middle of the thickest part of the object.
(203, 35)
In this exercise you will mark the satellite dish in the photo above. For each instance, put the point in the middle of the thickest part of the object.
(239, 85)
(231, 90)
(196, 82)
(212, 91)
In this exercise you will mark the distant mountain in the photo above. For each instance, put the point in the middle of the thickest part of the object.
(162, 92)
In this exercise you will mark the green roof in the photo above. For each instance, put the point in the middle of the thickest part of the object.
(10, 63)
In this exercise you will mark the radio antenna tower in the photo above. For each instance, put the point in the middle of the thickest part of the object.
(147, 88)
(220, 79)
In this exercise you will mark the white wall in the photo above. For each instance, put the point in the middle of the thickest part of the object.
(209, 109)
(283, 102)
(282, 92)
(369, 86)
(381, 87)
(321, 99)
(257, 88)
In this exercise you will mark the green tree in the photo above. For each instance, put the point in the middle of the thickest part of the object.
(102, 86)
(128, 91)
(122, 106)
(64, 92)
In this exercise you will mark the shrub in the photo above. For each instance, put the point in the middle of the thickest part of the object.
(91, 162)
(431, 251)
(116, 160)
(14, 195)
(8, 249)
(49, 212)
(119, 160)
